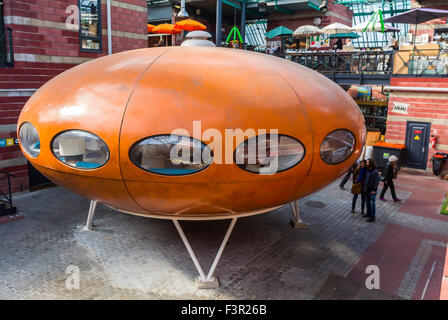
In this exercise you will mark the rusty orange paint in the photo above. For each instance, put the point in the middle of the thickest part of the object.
(129, 96)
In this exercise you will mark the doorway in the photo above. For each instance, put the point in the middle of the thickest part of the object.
(37, 180)
(417, 141)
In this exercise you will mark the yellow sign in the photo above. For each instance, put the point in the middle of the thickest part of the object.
(9, 142)
(416, 138)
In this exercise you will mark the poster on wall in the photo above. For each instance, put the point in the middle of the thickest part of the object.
(324, 40)
(314, 41)
(320, 41)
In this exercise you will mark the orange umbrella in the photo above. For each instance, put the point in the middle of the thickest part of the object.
(166, 28)
(150, 27)
(190, 25)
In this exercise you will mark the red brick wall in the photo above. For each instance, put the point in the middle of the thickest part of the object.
(423, 106)
(40, 42)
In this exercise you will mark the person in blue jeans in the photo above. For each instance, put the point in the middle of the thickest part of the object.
(358, 177)
(370, 188)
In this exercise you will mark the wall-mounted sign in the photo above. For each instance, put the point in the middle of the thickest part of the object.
(8, 142)
(399, 107)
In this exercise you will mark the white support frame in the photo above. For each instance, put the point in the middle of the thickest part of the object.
(210, 276)
(91, 215)
(297, 222)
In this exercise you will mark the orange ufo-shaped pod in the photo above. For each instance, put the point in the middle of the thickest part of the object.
(191, 132)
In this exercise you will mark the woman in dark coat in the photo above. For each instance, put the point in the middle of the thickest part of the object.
(358, 177)
(390, 173)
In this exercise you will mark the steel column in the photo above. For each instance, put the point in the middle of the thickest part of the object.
(243, 22)
(218, 22)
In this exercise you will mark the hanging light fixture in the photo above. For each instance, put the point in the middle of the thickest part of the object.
(262, 5)
(182, 13)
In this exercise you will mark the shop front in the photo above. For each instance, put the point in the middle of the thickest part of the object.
(418, 117)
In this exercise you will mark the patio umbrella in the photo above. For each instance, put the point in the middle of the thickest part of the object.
(279, 31)
(416, 16)
(150, 27)
(166, 28)
(336, 28)
(190, 25)
(306, 30)
(376, 28)
(350, 35)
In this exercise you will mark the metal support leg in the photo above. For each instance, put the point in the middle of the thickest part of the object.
(209, 281)
(296, 223)
(89, 223)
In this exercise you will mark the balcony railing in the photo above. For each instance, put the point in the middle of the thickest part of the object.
(6, 50)
(6, 207)
(375, 67)
(346, 62)
(421, 62)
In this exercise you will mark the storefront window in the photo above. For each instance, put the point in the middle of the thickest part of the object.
(90, 25)
(171, 155)
(80, 149)
(269, 154)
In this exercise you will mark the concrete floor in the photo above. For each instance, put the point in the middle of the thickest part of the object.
(129, 257)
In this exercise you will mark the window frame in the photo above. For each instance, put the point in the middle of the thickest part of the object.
(169, 175)
(351, 153)
(278, 171)
(99, 29)
(79, 168)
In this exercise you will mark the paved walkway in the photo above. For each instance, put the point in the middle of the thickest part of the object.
(129, 257)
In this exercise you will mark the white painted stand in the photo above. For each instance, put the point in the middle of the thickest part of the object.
(209, 281)
(296, 222)
(89, 224)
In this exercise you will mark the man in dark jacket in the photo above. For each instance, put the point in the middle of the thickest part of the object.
(370, 188)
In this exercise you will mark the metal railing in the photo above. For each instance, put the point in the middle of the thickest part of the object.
(5, 195)
(6, 49)
(380, 64)
(421, 62)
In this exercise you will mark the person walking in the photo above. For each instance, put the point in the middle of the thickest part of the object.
(370, 188)
(358, 180)
(348, 174)
(389, 174)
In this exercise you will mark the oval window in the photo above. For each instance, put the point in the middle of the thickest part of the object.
(80, 149)
(29, 139)
(269, 154)
(171, 155)
(337, 146)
